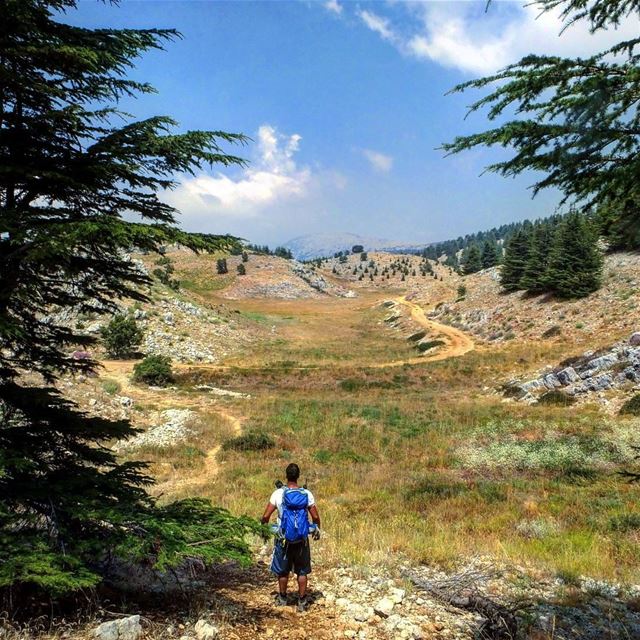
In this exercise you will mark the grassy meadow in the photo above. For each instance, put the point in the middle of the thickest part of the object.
(424, 460)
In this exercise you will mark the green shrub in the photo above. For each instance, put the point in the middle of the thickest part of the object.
(435, 489)
(552, 332)
(250, 442)
(111, 386)
(631, 407)
(625, 522)
(430, 344)
(122, 336)
(418, 335)
(154, 370)
(352, 384)
(557, 398)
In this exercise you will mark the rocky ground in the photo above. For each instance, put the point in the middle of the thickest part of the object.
(586, 376)
(371, 603)
(492, 316)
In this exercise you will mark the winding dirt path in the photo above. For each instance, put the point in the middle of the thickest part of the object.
(457, 342)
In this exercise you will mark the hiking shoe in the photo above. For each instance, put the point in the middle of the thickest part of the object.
(303, 603)
(281, 600)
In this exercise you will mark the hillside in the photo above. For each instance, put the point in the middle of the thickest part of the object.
(322, 245)
(388, 393)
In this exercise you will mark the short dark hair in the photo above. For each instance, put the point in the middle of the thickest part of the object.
(293, 472)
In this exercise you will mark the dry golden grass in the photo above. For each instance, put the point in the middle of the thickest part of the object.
(384, 450)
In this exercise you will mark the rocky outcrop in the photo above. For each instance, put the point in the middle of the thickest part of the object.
(613, 368)
(123, 629)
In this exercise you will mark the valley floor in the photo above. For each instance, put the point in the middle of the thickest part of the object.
(415, 457)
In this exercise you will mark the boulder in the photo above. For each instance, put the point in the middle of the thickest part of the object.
(123, 629)
(168, 318)
(384, 607)
(568, 376)
(533, 385)
(397, 595)
(551, 381)
(205, 630)
(634, 340)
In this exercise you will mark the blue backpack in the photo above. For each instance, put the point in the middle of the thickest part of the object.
(294, 522)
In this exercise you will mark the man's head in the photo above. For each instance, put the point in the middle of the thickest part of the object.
(293, 472)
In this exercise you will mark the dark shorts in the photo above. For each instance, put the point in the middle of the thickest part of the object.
(291, 557)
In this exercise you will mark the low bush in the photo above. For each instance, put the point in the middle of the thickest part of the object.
(414, 337)
(631, 407)
(154, 370)
(556, 398)
(111, 386)
(430, 344)
(552, 332)
(249, 442)
(625, 522)
(122, 336)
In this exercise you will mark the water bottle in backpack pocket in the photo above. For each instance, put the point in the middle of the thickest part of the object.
(294, 522)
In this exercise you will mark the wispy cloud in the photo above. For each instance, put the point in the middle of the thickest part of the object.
(461, 35)
(379, 162)
(333, 6)
(379, 24)
(273, 176)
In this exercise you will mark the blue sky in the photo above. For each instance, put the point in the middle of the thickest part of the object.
(346, 106)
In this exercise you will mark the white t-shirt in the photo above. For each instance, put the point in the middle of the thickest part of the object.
(276, 500)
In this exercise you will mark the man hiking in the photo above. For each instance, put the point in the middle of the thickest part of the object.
(291, 550)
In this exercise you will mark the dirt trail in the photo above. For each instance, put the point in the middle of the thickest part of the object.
(457, 342)
(120, 370)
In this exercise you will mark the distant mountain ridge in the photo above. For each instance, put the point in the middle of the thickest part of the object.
(323, 245)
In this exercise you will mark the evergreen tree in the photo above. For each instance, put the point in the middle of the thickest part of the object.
(241, 269)
(575, 262)
(72, 166)
(122, 336)
(490, 256)
(515, 260)
(471, 260)
(534, 277)
(221, 266)
(577, 119)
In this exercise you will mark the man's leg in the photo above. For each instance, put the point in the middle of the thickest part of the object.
(302, 586)
(283, 581)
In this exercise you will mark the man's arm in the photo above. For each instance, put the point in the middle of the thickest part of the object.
(315, 516)
(268, 513)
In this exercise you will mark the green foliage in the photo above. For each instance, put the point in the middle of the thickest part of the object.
(535, 270)
(164, 271)
(490, 254)
(462, 291)
(364, 256)
(429, 344)
(241, 269)
(245, 256)
(111, 386)
(73, 167)
(577, 120)
(471, 260)
(154, 370)
(557, 398)
(625, 522)
(283, 252)
(250, 442)
(221, 266)
(357, 248)
(631, 407)
(515, 261)
(122, 336)
(575, 262)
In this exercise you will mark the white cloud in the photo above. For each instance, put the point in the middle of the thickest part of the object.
(379, 162)
(461, 35)
(333, 6)
(274, 176)
(378, 24)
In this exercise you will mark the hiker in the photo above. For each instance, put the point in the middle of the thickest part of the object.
(291, 550)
